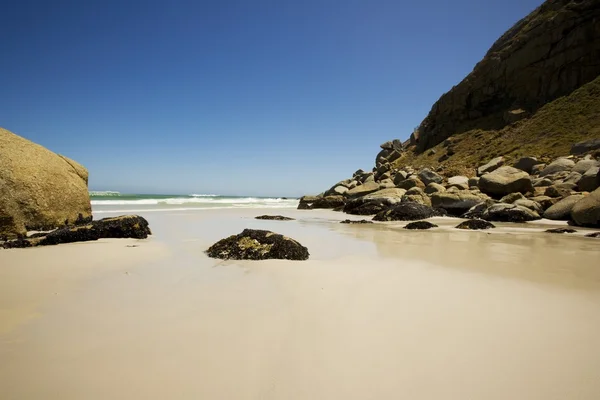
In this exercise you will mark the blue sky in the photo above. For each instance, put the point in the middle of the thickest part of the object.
(262, 97)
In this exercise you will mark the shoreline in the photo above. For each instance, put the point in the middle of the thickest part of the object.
(375, 311)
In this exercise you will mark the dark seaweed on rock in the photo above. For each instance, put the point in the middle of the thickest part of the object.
(420, 225)
(362, 221)
(254, 244)
(408, 211)
(561, 230)
(593, 235)
(126, 226)
(475, 224)
(274, 218)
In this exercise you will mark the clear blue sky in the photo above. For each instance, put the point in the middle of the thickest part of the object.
(252, 97)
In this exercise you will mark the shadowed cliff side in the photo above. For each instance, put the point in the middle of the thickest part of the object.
(548, 54)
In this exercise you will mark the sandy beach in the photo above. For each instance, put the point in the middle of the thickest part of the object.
(377, 312)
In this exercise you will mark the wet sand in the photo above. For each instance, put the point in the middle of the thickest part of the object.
(377, 312)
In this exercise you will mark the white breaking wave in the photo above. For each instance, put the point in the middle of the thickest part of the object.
(196, 200)
(104, 193)
(203, 195)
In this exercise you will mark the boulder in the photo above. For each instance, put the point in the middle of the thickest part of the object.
(532, 205)
(586, 212)
(410, 183)
(476, 212)
(427, 176)
(399, 177)
(254, 244)
(416, 195)
(526, 164)
(589, 181)
(558, 165)
(329, 202)
(306, 202)
(420, 225)
(459, 181)
(509, 213)
(572, 179)
(474, 182)
(364, 189)
(375, 202)
(407, 212)
(537, 169)
(475, 224)
(39, 190)
(274, 218)
(584, 165)
(542, 182)
(490, 166)
(556, 191)
(505, 180)
(434, 188)
(127, 226)
(456, 203)
(511, 198)
(544, 201)
(585, 146)
(350, 221)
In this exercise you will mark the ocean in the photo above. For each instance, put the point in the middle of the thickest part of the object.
(111, 202)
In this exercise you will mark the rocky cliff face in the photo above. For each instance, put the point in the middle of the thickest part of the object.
(38, 188)
(548, 54)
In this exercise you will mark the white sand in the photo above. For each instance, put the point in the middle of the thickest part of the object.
(376, 313)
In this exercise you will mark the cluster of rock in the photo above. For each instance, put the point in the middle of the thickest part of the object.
(566, 188)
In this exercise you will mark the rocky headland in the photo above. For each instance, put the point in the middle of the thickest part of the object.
(516, 141)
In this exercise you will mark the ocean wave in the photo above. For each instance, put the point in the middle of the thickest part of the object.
(104, 193)
(203, 195)
(233, 202)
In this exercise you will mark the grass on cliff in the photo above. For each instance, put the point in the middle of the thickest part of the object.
(549, 133)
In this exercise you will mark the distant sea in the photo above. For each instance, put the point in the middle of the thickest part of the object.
(110, 202)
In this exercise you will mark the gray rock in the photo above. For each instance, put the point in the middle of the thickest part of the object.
(558, 165)
(562, 210)
(329, 202)
(584, 165)
(459, 180)
(573, 178)
(590, 181)
(526, 164)
(555, 191)
(511, 198)
(505, 180)
(374, 202)
(427, 176)
(456, 203)
(532, 205)
(509, 213)
(586, 212)
(542, 182)
(364, 189)
(474, 181)
(536, 169)
(400, 177)
(416, 195)
(386, 184)
(306, 202)
(490, 166)
(410, 183)
(545, 201)
(434, 188)
(585, 146)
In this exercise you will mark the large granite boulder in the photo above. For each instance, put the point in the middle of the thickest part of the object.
(416, 195)
(589, 181)
(307, 201)
(127, 226)
(427, 176)
(375, 202)
(491, 166)
(434, 188)
(39, 190)
(585, 146)
(586, 212)
(562, 209)
(329, 202)
(526, 164)
(407, 212)
(583, 166)
(505, 180)
(509, 213)
(558, 165)
(456, 203)
(459, 181)
(253, 244)
(411, 183)
(546, 55)
(364, 189)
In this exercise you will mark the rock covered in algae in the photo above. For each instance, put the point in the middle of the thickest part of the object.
(254, 244)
